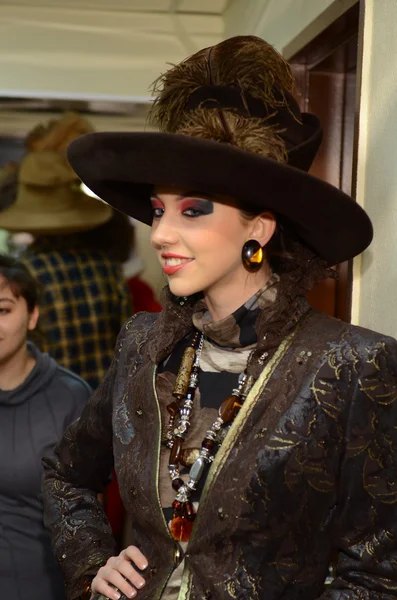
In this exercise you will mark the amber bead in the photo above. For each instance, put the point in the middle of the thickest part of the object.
(229, 408)
(176, 451)
(189, 511)
(177, 506)
(181, 528)
(252, 255)
(208, 444)
(173, 408)
(177, 483)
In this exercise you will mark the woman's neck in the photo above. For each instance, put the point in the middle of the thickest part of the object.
(223, 300)
(15, 369)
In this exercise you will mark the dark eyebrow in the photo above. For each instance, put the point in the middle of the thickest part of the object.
(203, 195)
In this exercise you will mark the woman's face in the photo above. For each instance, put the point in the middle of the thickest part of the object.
(15, 322)
(199, 241)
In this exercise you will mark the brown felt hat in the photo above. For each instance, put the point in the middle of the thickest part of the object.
(226, 116)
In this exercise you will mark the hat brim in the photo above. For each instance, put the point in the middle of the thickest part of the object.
(122, 168)
(88, 214)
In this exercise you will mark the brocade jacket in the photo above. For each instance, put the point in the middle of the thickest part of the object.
(308, 471)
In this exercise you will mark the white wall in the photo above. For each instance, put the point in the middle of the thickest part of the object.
(374, 293)
(287, 24)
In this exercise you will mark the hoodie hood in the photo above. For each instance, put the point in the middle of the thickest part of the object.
(39, 377)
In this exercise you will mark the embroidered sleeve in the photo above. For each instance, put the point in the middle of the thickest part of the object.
(82, 536)
(367, 524)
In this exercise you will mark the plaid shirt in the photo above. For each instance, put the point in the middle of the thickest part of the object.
(84, 303)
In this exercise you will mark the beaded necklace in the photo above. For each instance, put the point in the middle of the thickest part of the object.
(180, 411)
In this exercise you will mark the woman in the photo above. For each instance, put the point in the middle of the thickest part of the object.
(277, 420)
(38, 400)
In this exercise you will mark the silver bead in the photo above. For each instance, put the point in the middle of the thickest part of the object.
(182, 428)
(197, 469)
(263, 357)
(183, 494)
(205, 453)
(193, 380)
(173, 472)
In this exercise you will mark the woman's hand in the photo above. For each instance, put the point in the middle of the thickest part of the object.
(117, 570)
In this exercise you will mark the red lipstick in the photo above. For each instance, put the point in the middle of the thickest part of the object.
(181, 263)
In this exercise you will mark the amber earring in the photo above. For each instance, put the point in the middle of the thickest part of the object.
(252, 256)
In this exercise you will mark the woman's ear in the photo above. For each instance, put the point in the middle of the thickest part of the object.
(263, 228)
(34, 317)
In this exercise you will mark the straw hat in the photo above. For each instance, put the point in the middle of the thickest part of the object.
(47, 197)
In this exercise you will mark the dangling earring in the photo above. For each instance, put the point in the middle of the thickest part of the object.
(252, 256)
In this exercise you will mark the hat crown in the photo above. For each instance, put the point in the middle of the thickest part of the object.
(245, 63)
(239, 92)
(46, 168)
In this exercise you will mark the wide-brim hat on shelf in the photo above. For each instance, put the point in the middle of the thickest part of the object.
(42, 194)
(48, 198)
(229, 127)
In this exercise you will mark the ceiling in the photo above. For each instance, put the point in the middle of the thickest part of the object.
(102, 56)
(189, 6)
(86, 49)
(84, 54)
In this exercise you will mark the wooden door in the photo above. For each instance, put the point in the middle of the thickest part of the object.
(325, 72)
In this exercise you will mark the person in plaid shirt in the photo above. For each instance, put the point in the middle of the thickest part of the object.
(77, 254)
(85, 301)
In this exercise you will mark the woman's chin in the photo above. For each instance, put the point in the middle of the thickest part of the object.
(182, 291)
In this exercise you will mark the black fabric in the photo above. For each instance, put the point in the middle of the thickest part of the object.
(287, 119)
(214, 387)
(122, 168)
(33, 418)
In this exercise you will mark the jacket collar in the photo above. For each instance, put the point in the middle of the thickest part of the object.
(238, 329)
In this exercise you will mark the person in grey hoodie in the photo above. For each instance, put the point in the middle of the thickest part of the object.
(38, 400)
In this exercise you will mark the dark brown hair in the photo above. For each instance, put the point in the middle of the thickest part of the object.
(20, 280)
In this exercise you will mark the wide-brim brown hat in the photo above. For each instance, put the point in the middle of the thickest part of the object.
(230, 126)
(123, 168)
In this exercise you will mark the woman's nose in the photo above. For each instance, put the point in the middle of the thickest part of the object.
(163, 233)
